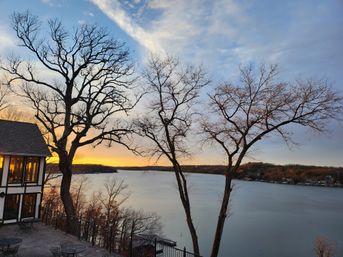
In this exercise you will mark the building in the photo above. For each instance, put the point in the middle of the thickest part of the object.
(22, 169)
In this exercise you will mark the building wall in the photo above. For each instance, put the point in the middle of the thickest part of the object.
(21, 189)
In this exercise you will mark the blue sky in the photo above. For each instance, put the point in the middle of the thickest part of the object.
(303, 36)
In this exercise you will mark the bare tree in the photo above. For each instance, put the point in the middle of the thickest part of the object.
(89, 84)
(173, 92)
(3, 94)
(324, 247)
(13, 113)
(78, 194)
(113, 197)
(242, 115)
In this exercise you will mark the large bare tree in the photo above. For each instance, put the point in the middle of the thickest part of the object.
(173, 91)
(241, 115)
(84, 93)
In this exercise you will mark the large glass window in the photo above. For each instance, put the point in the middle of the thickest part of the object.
(15, 172)
(32, 168)
(29, 206)
(11, 207)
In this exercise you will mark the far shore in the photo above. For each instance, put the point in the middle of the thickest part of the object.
(263, 172)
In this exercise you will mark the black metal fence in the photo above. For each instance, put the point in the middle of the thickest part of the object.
(106, 235)
(154, 246)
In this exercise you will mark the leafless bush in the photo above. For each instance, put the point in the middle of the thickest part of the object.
(324, 247)
(101, 218)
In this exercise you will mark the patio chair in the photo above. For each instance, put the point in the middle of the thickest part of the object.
(11, 251)
(56, 251)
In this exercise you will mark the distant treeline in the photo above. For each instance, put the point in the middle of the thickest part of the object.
(292, 174)
(83, 168)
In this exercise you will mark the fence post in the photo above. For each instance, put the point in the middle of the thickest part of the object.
(184, 252)
(155, 246)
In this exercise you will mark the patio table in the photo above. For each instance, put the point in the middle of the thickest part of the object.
(73, 250)
(8, 241)
(5, 243)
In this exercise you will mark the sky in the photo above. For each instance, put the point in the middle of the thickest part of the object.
(304, 37)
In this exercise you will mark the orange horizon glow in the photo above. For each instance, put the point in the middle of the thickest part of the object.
(123, 162)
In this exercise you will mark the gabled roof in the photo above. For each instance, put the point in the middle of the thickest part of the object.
(21, 138)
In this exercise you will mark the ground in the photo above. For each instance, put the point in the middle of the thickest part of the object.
(37, 242)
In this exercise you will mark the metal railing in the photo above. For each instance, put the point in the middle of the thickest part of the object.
(154, 246)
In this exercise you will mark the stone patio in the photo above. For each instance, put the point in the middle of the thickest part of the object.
(38, 240)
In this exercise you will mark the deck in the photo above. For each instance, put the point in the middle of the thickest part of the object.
(38, 240)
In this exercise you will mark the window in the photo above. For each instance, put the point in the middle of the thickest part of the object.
(15, 172)
(31, 169)
(29, 205)
(11, 208)
(18, 175)
(1, 167)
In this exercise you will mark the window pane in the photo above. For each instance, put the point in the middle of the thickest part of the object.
(32, 166)
(1, 162)
(15, 173)
(11, 208)
(29, 206)
(1, 165)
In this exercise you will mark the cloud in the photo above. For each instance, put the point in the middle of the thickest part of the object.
(52, 3)
(196, 30)
(7, 40)
(88, 13)
(224, 33)
(115, 12)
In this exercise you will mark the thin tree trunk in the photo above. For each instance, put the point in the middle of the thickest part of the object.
(187, 208)
(222, 215)
(193, 232)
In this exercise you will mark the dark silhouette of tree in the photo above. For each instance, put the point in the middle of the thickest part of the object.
(173, 91)
(86, 94)
(3, 100)
(242, 115)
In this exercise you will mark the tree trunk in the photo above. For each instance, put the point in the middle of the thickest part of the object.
(222, 215)
(193, 232)
(187, 208)
(72, 225)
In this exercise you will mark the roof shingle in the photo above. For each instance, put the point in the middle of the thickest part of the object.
(21, 138)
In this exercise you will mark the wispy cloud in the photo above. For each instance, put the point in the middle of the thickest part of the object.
(52, 3)
(88, 13)
(7, 40)
(114, 11)
(225, 33)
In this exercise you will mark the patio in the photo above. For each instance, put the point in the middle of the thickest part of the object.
(37, 241)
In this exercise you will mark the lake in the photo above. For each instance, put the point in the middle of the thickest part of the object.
(266, 220)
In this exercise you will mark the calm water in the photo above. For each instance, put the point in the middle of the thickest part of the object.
(266, 220)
